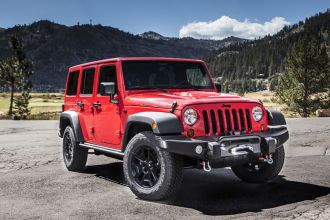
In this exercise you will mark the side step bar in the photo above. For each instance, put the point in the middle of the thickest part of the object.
(107, 151)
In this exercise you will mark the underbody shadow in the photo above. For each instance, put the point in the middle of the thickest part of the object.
(222, 193)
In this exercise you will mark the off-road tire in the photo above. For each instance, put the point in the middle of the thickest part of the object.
(79, 154)
(266, 173)
(171, 166)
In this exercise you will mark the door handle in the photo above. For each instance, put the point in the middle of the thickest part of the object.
(80, 104)
(96, 104)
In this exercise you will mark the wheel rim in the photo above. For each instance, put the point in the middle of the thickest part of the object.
(145, 167)
(68, 148)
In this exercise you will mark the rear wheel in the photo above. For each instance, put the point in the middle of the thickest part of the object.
(261, 172)
(74, 156)
(150, 172)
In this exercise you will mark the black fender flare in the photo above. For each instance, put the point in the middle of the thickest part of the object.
(161, 123)
(73, 118)
(275, 118)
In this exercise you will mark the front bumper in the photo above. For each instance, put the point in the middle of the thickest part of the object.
(213, 148)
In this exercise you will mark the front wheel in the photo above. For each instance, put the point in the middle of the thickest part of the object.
(150, 172)
(261, 172)
(74, 156)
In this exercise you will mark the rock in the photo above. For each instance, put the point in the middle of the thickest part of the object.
(1, 115)
(323, 113)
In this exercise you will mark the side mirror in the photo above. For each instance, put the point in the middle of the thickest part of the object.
(108, 89)
(218, 86)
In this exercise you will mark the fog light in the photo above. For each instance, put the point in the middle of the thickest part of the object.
(191, 133)
(199, 149)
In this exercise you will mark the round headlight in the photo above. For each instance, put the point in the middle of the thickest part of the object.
(190, 116)
(257, 113)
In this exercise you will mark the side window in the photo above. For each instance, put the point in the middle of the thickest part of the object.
(87, 81)
(107, 74)
(72, 83)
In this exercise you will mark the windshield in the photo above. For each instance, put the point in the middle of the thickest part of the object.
(165, 75)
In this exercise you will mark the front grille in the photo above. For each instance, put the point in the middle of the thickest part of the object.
(224, 121)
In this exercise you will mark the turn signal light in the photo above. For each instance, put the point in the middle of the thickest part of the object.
(262, 127)
(191, 133)
(153, 125)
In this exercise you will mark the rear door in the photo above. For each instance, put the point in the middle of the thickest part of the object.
(86, 98)
(106, 115)
(71, 91)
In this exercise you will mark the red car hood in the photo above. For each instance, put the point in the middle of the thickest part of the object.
(164, 100)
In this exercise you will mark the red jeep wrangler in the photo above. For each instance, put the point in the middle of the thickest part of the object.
(160, 115)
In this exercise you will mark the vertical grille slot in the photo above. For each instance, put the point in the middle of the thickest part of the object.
(248, 119)
(234, 112)
(221, 123)
(241, 118)
(206, 122)
(228, 121)
(213, 121)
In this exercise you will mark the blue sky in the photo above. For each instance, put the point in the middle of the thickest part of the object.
(200, 18)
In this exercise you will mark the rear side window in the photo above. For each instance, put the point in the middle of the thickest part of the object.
(87, 81)
(72, 83)
(107, 74)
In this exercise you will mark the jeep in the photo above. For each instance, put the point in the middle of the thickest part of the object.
(161, 115)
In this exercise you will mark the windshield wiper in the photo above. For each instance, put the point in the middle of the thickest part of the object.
(148, 87)
(187, 87)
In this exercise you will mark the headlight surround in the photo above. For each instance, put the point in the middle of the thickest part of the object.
(257, 113)
(190, 116)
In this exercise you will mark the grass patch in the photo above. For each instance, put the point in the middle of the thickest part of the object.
(42, 104)
(266, 98)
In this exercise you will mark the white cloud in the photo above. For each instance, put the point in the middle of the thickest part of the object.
(225, 27)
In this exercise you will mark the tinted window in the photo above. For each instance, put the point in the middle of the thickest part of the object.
(87, 81)
(107, 74)
(165, 74)
(72, 83)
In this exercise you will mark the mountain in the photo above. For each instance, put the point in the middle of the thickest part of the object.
(265, 57)
(153, 36)
(54, 47)
(192, 42)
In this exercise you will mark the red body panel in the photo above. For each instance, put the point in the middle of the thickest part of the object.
(105, 125)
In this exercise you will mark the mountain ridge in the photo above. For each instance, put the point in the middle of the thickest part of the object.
(53, 47)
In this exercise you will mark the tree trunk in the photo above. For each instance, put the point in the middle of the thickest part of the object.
(11, 100)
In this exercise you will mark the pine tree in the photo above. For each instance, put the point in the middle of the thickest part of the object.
(14, 74)
(307, 75)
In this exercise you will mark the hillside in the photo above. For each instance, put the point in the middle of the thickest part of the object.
(53, 47)
(265, 57)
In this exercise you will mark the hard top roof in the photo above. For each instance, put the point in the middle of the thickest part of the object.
(136, 59)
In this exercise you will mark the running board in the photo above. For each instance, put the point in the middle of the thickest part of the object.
(108, 151)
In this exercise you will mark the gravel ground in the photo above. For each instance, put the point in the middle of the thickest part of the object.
(35, 184)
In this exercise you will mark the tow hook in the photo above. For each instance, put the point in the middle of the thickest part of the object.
(268, 158)
(206, 166)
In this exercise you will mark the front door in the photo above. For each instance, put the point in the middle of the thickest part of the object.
(106, 114)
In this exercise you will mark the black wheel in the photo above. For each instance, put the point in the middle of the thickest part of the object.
(150, 172)
(261, 172)
(75, 157)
